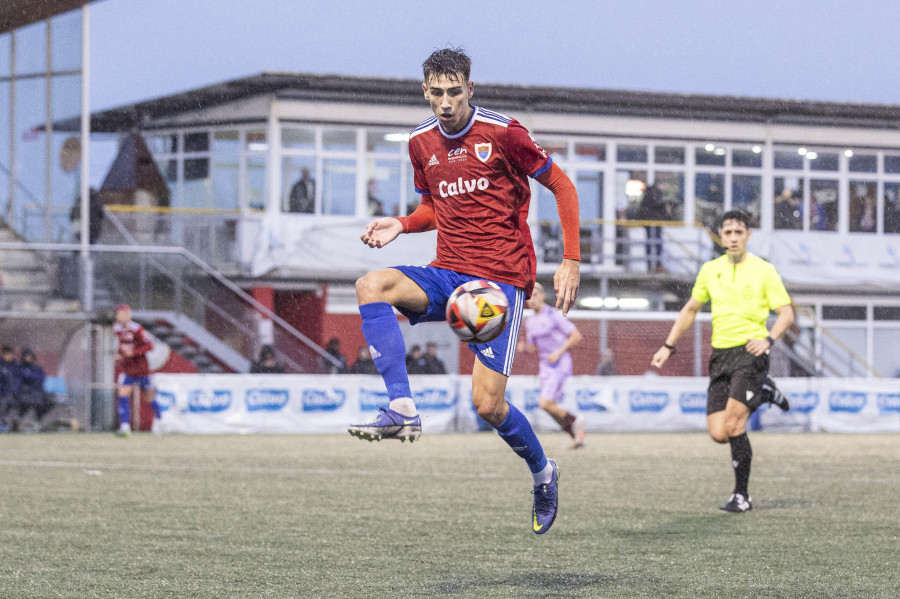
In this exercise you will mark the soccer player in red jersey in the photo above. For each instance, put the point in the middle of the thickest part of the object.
(134, 370)
(471, 168)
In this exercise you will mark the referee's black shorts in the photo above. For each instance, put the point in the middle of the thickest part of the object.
(735, 372)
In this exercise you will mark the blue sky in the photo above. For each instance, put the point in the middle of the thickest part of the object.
(822, 50)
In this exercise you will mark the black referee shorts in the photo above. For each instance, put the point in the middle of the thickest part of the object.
(735, 372)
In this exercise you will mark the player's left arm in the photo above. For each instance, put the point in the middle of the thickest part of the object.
(572, 340)
(567, 277)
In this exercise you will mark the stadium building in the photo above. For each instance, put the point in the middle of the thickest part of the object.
(231, 213)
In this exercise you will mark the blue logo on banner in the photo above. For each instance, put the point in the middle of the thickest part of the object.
(648, 401)
(847, 401)
(692, 403)
(370, 401)
(434, 399)
(532, 399)
(888, 402)
(165, 400)
(201, 400)
(589, 401)
(803, 403)
(268, 400)
(322, 400)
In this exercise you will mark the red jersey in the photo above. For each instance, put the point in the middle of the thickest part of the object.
(477, 183)
(133, 336)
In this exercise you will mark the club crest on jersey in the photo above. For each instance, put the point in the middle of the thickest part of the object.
(483, 151)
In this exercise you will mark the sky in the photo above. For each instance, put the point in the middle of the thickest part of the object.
(815, 49)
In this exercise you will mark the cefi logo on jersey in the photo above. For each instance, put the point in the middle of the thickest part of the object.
(457, 155)
(483, 151)
(459, 186)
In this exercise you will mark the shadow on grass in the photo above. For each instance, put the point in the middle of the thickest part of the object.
(543, 584)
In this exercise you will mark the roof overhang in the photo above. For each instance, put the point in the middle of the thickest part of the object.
(18, 13)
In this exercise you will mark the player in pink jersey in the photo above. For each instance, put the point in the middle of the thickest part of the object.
(471, 168)
(553, 335)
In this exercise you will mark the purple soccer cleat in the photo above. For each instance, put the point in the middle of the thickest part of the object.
(546, 500)
(389, 424)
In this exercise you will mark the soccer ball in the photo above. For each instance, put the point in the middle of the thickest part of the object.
(477, 311)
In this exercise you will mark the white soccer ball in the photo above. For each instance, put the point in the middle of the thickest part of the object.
(477, 311)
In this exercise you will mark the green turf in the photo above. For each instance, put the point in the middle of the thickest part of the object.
(332, 516)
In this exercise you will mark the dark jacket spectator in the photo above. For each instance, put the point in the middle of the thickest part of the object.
(607, 367)
(433, 364)
(10, 373)
(267, 363)
(31, 394)
(334, 349)
(95, 217)
(364, 363)
(415, 361)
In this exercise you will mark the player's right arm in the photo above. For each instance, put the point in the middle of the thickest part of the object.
(684, 321)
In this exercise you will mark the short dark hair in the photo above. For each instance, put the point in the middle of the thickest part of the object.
(742, 216)
(451, 62)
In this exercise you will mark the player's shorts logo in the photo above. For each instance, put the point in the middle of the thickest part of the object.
(483, 151)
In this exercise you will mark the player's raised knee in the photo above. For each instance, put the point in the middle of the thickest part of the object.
(370, 287)
(718, 435)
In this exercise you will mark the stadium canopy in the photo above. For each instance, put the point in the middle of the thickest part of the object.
(159, 112)
(18, 13)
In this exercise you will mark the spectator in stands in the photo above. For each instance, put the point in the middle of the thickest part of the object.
(374, 207)
(654, 208)
(891, 212)
(867, 216)
(95, 217)
(364, 363)
(818, 216)
(10, 384)
(267, 363)
(433, 364)
(415, 361)
(334, 349)
(607, 367)
(32, 396)
(302, 198)
(787, 210)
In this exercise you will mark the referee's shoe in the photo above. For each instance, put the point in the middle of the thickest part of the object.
(773, 395)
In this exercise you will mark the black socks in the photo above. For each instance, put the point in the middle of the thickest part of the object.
(741, 456)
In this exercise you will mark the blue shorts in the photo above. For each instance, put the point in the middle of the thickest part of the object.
(439, 283)
(142, 382)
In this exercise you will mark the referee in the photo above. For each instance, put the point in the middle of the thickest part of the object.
(743, 288)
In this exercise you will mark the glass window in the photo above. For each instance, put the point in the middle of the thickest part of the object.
(863, 163)
(390, 142)
(4, 139)
(298, 139)
(788, 159)
(788, 192)
(256, 140)
(843, 312)
(31, 159)
(170, 170)
(197, 184)
(823, 205)
(226, 152)
(891, 208)
(668, 155)
(710, 198)
(339, 186)
(710, 155)
(746, 158)
(65, 42)
(557, 148)
(4, 54)
(339, 140)
(299, 185)
(254, 191)
(383, 188)
(887, 313)
(819, 161)
(162, 144)
(629, 153)
(31, 49)
(671, 185)
(746, 192)
(891, 164)
(547, 205)
(887, 362)
(590, 194)
(196, 142)
(66, 97)
(863, 206)
(630, 188)
(590, 151)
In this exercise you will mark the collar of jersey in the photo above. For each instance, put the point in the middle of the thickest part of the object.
(465, 129)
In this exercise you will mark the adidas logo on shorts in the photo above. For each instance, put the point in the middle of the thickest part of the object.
(433, 161)
(488, 353)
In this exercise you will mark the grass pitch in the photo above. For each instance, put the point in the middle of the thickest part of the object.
(92, 516)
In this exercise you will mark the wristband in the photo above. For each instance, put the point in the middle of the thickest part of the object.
(671, 348)
(771, 341)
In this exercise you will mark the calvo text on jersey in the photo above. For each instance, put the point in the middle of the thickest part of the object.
(459, 186)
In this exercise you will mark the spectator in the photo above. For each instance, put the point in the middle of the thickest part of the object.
(787, 210)
(31, 394)
(334, 349)
(415, 361)
(867, 216)
(10, 384)
(607, 367)
(364, 363)
(433, 364)
(374, 207)
(302, 198)
(267, 363)
(95, 217)
(654, 208)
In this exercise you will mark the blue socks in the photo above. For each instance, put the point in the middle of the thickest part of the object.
(382, 333)
(518, 434)
(124, 410)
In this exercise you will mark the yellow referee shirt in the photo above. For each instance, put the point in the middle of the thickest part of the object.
(742, 296)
